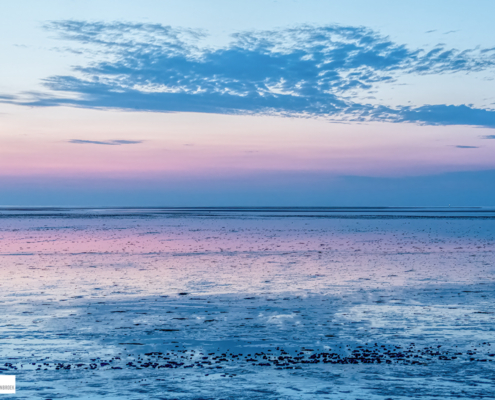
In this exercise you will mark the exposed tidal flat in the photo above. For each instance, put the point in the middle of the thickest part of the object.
(248, 303)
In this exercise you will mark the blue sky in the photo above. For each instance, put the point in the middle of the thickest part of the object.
(184, 100)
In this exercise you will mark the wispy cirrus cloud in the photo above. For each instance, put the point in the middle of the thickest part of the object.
(305, 70)
(105, 142)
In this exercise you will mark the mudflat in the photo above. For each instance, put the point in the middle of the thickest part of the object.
(248, 303)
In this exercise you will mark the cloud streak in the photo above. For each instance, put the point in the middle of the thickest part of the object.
(306, 70)
(105, 142)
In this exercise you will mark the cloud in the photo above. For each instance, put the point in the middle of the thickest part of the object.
(467, 147)
(105, 142)
(488, 137)
(305, 70)
(448, 115)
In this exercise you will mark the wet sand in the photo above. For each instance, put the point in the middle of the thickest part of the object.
(374, 304)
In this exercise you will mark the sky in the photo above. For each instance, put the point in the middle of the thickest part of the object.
(263, 103)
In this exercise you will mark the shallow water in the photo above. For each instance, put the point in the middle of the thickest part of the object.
(358, 303)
